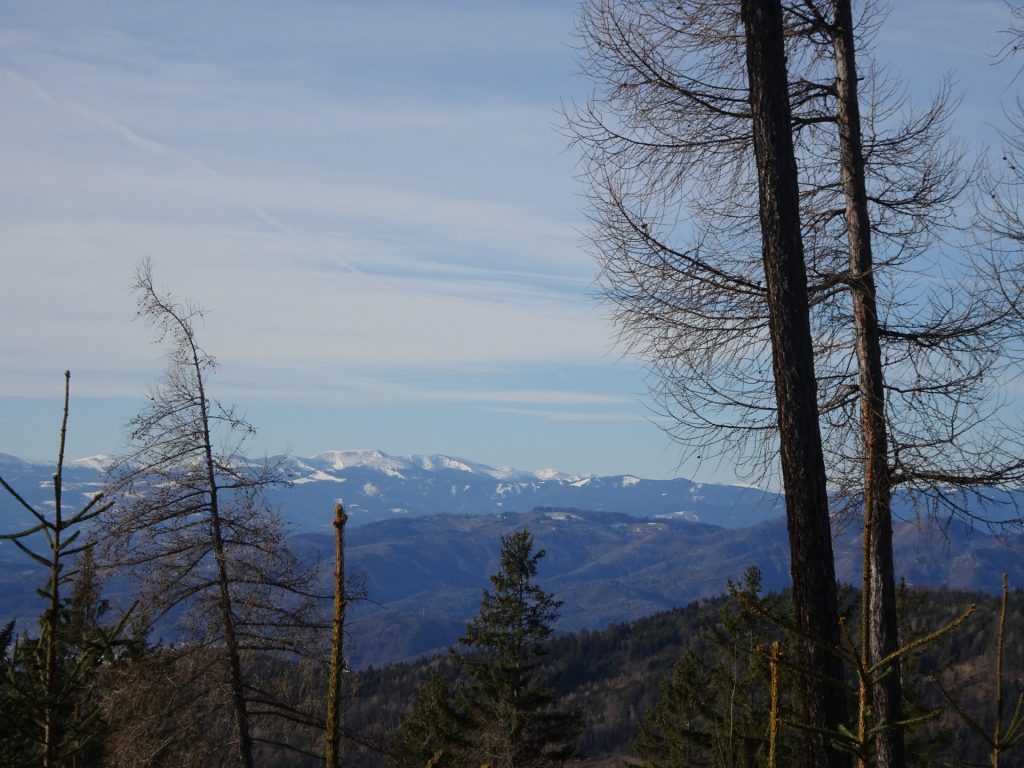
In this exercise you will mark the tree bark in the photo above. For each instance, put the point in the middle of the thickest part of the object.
(803, 466)
(231, 646)
(880, 600)
(337, 638)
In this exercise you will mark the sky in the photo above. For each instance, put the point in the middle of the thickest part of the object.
(374, 204)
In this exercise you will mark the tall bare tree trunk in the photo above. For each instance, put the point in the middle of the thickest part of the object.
(51, 719)
(337, 640)
(880, 601)
(803, 466)
(231, 645)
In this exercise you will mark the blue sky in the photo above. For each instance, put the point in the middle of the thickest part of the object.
(372, 201)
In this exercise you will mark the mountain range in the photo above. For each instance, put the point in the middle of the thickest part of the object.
(376, 486)
(425, 535)
(425, 576)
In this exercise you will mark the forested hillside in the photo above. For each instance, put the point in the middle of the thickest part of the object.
(614, 677)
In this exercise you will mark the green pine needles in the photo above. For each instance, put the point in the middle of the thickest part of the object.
(501, 711)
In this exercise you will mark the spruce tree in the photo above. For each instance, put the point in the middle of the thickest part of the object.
(434, 732)
(714, 708)
(514, 722)
(47, 715)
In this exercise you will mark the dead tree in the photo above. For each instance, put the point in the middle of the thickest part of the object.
(993, 326)
(803, 464)
(666, 153)
(337, 659)
(999, 221)
(192, 523)
(879, 583)
(668, 160)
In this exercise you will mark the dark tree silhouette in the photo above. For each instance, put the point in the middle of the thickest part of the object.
(908, 370)
(803, 464)
(513, 721)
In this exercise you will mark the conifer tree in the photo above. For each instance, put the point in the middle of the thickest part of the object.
(432, 734)
(714, 707)
(46, 714)
(510, 707)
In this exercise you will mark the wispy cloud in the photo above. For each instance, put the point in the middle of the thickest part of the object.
(578, 416)
(368, 196)
(322, 229)
(536, 396)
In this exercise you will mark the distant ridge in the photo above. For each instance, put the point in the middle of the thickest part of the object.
(425, 533)
(425, 574)
(375, 486)
(378, 486)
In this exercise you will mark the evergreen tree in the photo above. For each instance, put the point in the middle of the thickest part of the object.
(713, 710)
(47, 713)
(16, 741)
(432, 733)
(510, 708)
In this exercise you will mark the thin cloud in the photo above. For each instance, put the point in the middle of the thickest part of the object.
(536, 396)
(573, 416)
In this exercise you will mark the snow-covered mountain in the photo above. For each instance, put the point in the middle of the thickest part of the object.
(437, 522)
(374, 485)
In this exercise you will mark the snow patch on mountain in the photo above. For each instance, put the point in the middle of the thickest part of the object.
(506, 473)
(316, 476)
(358, 458)
(101, 462)
(563, 516)
(395, 466)
(681, 514)
(505, 488)
(449, 463)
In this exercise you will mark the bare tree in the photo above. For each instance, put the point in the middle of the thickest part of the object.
(332, 725)
(908, 364)
(803, 464)
(161, 713)
(666, 152)
(1000, 216)
(192, 522)
(879, 587)
(985, 321)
